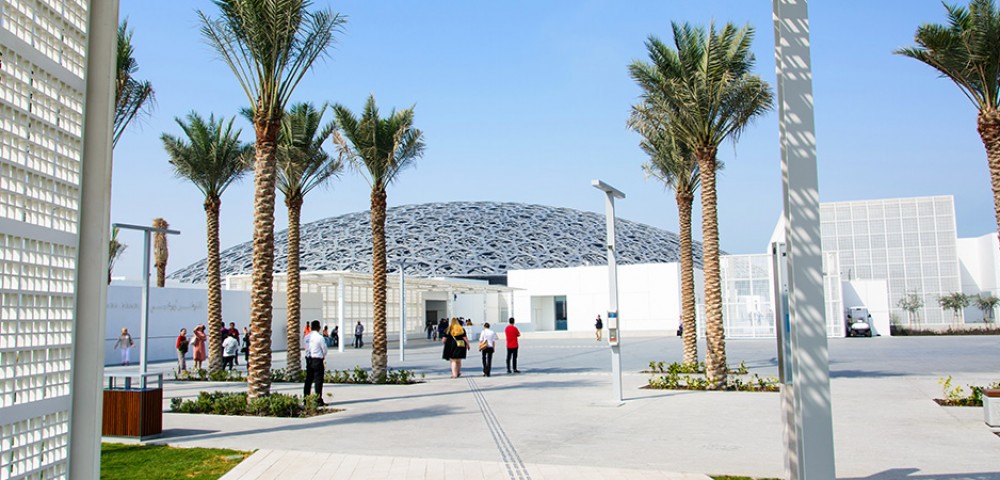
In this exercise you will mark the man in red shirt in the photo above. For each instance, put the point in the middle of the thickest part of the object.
(511, 332)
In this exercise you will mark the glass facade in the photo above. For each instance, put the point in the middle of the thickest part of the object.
(909, 242)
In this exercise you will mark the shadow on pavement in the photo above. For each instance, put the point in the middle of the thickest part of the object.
(910, 474)
(863, 374)
(329, 420)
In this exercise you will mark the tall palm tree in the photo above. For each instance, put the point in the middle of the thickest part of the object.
(160, 251)
(269, 45)
(707, 93)
(967, 51)
(379, 148)
(302, 166)
(133, 98)
(212, 157)
(673, 163)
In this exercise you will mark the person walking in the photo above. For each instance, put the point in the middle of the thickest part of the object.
(442, 328)
(315, 356)
(200, 351)
(182, 350)
(359, 330)
(235, 333)
(125, 344)
(335, 336)
(246, 346)
(429, 326)
(456, 346)
(487, 344)
(230, 349)
(599, 325)
(511, 332)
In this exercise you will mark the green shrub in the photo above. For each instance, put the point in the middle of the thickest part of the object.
(676, 376)
(236, 403)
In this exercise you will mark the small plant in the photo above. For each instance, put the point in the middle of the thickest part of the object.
(987, 304)
(911, 303)
(954, 395)
(677, 377)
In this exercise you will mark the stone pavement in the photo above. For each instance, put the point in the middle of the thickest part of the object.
(275, 464)
(556, 421)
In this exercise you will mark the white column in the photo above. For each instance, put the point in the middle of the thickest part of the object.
(340, 314)
(813, 454)
(92, 262)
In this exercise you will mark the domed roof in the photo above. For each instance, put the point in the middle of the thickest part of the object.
(473, 239)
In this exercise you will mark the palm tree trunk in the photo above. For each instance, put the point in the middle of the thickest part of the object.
(160, 252)
(715, 337)
(988, 125)
(212, 206)
(380, 358)
(294, 306)
(688, 319)
(261, 295)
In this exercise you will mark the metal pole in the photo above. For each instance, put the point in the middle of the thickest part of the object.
(145, 301)
(810, 364)
(402, 313)
(614, 327)
(145, 281)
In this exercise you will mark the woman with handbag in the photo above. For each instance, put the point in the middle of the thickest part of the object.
(456, 346)
(200, 349)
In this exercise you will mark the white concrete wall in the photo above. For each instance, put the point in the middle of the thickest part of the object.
(174, 308)
(980, 261)
(873, 294)
(649, 296)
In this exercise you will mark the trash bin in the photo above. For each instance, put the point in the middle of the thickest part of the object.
(133, 405)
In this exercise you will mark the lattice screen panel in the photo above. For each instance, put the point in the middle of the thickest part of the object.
(43, 48)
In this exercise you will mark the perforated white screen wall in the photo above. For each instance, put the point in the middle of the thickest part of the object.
(43, 45)
(910, 242)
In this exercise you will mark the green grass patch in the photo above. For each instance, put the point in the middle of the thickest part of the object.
(156, 462)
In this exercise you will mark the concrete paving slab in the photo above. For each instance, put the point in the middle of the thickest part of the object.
(555, 418)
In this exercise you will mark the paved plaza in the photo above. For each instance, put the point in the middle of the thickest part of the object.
(557, 420)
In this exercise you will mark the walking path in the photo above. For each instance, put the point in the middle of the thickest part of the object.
(556, 419)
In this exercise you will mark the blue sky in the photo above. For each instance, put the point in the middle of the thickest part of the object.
(526, 101)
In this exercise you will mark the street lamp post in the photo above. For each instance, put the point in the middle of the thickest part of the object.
(614, 331)
(145, 283)
(402, 308)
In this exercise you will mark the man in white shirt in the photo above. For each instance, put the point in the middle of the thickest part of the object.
(487, 344)
(315, 355)
(230, 348)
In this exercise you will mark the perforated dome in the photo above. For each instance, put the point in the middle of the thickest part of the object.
(461, 239)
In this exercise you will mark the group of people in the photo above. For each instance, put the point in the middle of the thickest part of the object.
(455, 337)
(198, 344)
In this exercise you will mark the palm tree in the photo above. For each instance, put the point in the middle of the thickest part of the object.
(212, 158)
(115, 251)
(706, 92)
(269, 45)
(160, 251)
(379, 148)
(302, 166)
(673, 163)
(967, 51)
(133, 98)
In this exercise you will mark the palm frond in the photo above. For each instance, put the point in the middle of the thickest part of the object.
(133, 98)
(211, 156)
(379, 148)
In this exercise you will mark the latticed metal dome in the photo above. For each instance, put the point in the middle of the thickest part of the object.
(461, 239)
